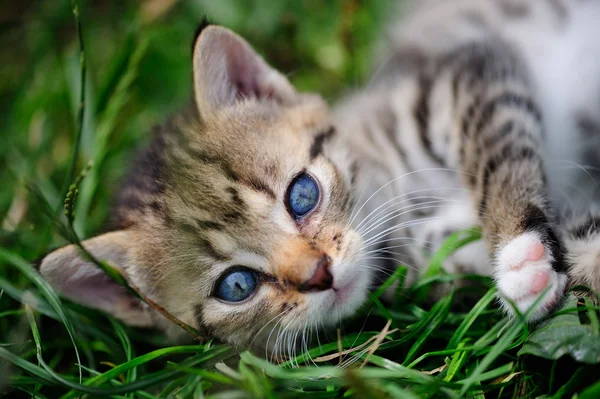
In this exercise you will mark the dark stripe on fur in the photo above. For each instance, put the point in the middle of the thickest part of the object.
(260, 186)
(208, 225)
(389, 124)
(132, 201)
(587, 125)
(511, 100)
(513, 10)
(316, 148)
(505, 131)
(510, 154)
(235, 197)
(209, 248)
(422, 114)
(534, 219)
(210, 159)
(468, 116)
(590, 226)
(254, 183)
(354, 169)
(559, 9)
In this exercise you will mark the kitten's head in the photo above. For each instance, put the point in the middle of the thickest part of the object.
(236, 217)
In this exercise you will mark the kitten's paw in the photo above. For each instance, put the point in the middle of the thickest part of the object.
(524, 271)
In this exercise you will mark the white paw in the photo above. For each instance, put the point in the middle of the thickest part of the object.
(524, 272)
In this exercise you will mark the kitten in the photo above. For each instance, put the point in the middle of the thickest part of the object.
(259, 209)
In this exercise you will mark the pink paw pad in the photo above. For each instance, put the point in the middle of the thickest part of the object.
(539, 282)
(535, 252)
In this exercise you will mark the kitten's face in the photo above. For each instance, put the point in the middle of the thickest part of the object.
(257, 209)
(237, 222)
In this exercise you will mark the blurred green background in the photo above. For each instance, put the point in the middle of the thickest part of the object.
(138, 73)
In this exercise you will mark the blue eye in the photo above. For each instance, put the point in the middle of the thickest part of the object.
(303, 195)
(237, 286)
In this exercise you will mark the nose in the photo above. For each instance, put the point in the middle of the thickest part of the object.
(322, 279)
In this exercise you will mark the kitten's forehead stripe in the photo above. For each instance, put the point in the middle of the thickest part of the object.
(231, 174)
(317, 146)
(259, 185)
(212, 250)
(215, 160)
(235, 197)
(208, 225)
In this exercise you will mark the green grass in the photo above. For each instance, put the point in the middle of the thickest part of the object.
(137, 60)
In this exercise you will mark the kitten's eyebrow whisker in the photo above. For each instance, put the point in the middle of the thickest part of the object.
(395, 215)
(422, 244)
(411, 193)
(394, 207)
(411, 207)
(354, 208)
(382, 269)
(389, 240)
(383, 235)
(403, 176)
(400, 226)
(404, 211)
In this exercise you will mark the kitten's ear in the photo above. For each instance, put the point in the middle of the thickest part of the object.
(227, 69)
(78, 279)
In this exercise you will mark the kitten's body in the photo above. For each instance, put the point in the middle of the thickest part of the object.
(402, 123)
(449, 134)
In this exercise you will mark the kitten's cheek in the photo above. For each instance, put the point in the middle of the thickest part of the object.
(352, 247)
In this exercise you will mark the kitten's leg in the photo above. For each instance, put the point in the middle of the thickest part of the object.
(582, 242)
(498, 145)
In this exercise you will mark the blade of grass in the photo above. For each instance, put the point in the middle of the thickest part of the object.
(593, 315)
(479, 307)
(127, 348)
(53, 300)
(398, 275)
(449, 246)
(143, 359)
(458, 360)
(70, 175)
(439, 312)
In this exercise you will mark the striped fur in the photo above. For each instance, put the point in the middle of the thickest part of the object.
(458, 127)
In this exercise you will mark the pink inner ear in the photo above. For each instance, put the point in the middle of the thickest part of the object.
(226, 69)
(244, 71)
(97, 290)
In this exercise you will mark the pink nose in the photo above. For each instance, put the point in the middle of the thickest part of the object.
(322, 279)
